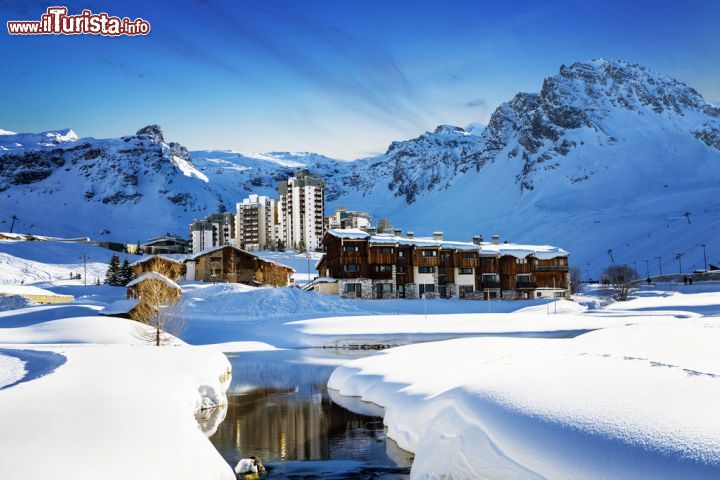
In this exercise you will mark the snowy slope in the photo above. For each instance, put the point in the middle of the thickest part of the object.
(14, 142)
(609, 155)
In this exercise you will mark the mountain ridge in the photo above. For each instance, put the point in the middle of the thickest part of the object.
(598, 136)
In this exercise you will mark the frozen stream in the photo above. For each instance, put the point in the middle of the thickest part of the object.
(279, 410)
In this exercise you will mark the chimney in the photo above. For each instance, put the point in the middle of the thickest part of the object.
(410, 234)
(477, 239)
(438, 236)
(495, 240)
(397, 232)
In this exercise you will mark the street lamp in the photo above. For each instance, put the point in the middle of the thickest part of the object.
(85, 257)
(679, 256)
(659, 265)
(703, 245)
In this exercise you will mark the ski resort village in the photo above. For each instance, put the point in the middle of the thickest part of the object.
(533, 295)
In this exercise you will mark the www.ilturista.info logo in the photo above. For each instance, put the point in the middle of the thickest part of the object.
(56, 21)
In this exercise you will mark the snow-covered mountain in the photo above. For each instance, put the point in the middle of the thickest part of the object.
(15, 142)
(607, 156)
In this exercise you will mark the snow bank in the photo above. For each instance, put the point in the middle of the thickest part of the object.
(112, 396)
(12, 369)
(637, 401)
(95, 329)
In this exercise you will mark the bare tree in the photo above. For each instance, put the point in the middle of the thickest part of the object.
(620, 278)
(575, 280)
(158, 308)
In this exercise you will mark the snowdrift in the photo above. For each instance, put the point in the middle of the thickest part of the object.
(636, 401)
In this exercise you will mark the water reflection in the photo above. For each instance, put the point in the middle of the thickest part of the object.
(279, 410)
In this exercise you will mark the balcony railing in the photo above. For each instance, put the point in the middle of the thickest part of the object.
(550, 268)
(490, 284)
(522, 285)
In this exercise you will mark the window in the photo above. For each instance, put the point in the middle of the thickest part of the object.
(469, 255)
(429, 253)
(400, 269)
(426, 269)
(351, 287)
(465, 271)
(465, 289)
(487, 261)
(521, 261)
(385, 250)
(383, 287)
(350, 248)
(383, 268)
(401, 253)
(426, 288)
(351, 268)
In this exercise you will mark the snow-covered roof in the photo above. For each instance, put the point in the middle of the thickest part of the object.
(214, 249)
(156, 276)
(542, 252)
(25, 290)
(309, 286)
(167, 238)
(119, 306)
(147, 259)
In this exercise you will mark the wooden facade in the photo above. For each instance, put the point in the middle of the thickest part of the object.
(230, 264)
(463, 270)
(171, 268)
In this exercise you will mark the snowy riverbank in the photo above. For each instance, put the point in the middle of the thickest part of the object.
(634, 400)
(110, 408)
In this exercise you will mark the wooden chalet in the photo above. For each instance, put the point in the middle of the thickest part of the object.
(368, 265)
(231, 264)
(171, 268)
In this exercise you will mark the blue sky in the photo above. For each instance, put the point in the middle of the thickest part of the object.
(342, 78)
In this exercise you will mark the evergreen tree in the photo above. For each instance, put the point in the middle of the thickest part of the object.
(111, 277)
(301, 247)
(126, 274)
(280, 246)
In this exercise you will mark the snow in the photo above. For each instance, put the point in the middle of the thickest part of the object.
(188, 169)
(497, 389)
(150, 257)
(109, 395)
(52, 261)
(154, 276)
(543, 252)
(16, 142)
(631, 401)
(120, 307)
(7, 289)
(12, 369)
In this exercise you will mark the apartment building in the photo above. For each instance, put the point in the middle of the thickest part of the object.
(256, 223)
(215, 230)
(302, 210)
(343, 218)
(366, 265)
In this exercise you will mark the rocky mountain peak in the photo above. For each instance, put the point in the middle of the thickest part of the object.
(152, 131)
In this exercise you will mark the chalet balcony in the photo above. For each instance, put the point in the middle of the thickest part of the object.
(551, 268)
(489, 285)
(525, 285)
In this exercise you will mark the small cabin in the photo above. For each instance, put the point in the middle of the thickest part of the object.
(233, 265)
(169, 267)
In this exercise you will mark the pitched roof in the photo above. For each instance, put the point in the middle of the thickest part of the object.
(156, 276)
(542, 252)
(214, 249)
(148, 258)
